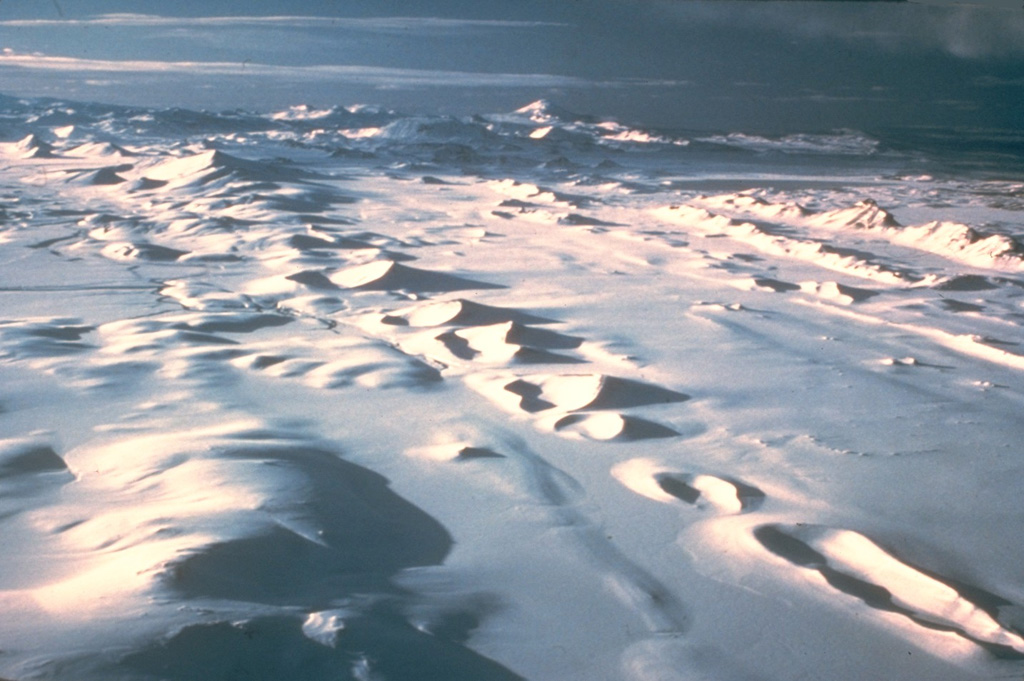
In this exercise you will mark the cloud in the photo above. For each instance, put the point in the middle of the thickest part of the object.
(970, 32)
(365, 24)
(352, 74)
(996, 82)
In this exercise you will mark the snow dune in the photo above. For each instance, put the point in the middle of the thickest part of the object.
(521, 395)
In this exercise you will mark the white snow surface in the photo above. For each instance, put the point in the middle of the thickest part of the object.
(518, 396)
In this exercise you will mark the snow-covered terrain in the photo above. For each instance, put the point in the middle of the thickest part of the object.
(348, 393)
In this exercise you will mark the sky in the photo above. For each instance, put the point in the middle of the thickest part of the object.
(756, 66)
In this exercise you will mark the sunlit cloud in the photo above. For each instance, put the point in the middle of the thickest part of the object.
(368, 24)
(353, 74)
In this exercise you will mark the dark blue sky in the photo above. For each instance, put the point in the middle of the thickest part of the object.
(764, 66)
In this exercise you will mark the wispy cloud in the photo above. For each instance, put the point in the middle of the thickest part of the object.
(995, 82)
(367, 24)
(353, 74)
